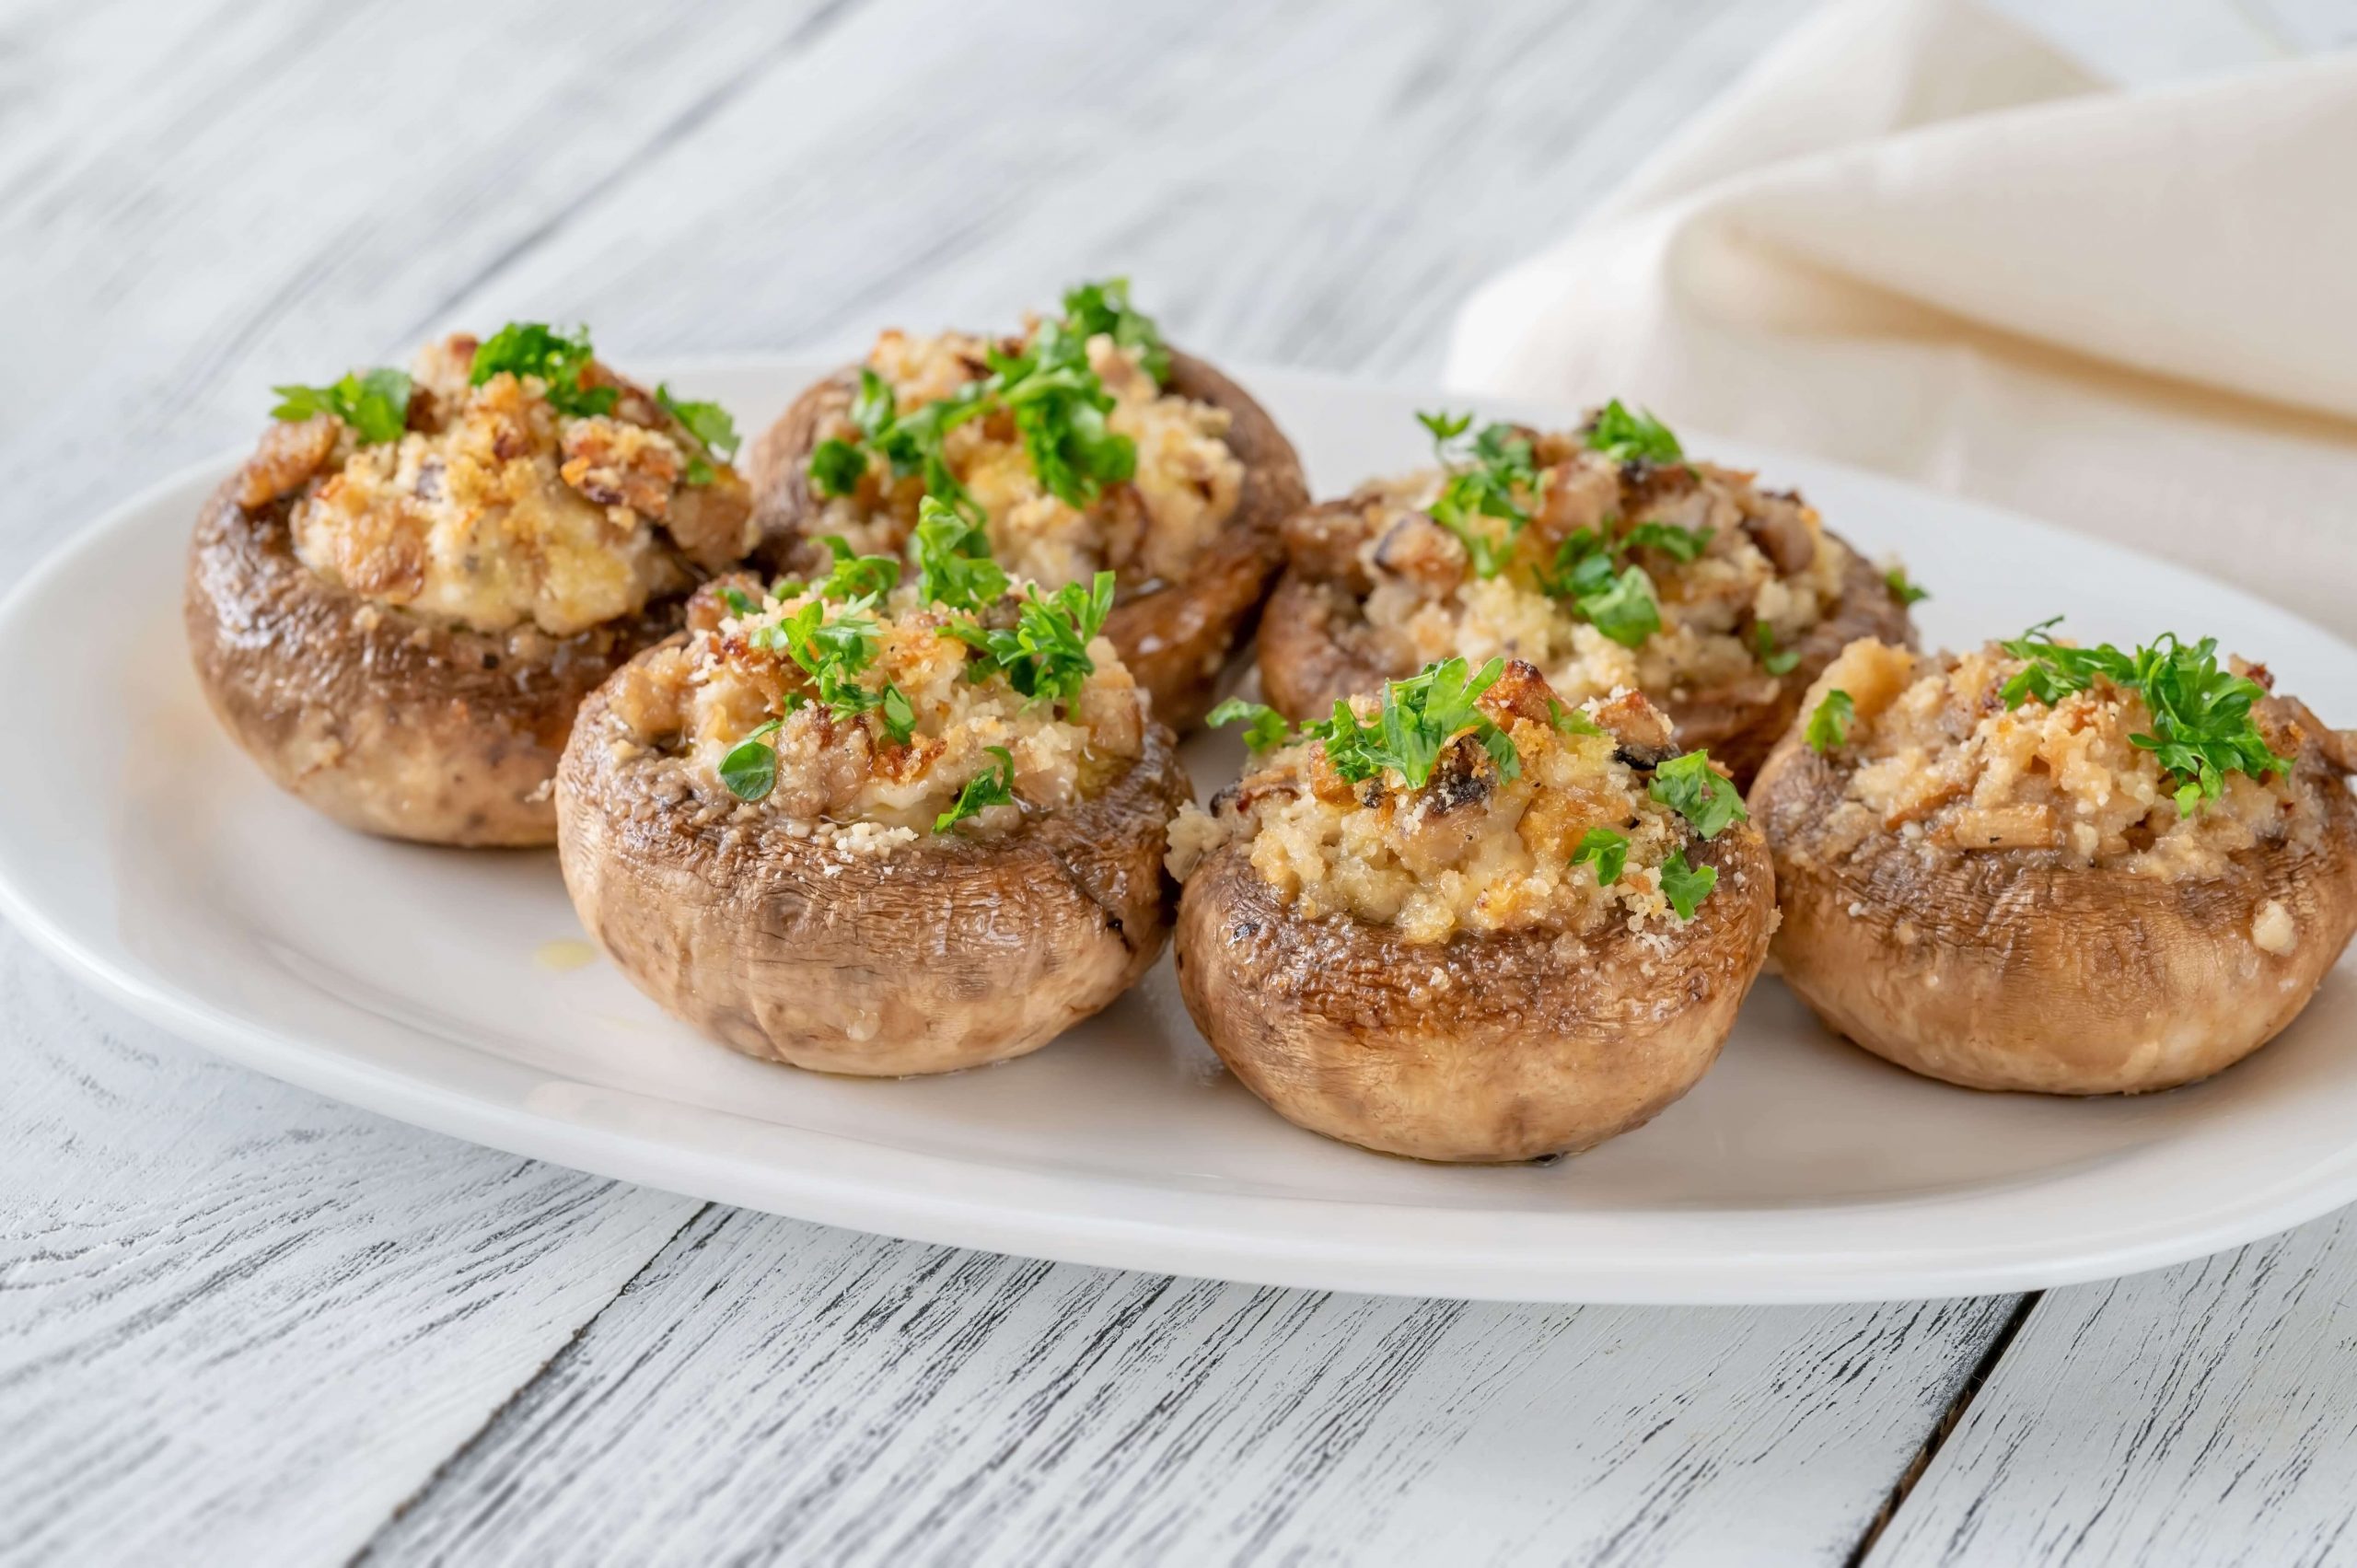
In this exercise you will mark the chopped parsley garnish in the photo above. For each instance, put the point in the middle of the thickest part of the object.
(836, 467)
(1828, 724)
(856, 575)
(1686, 886)
(1420, 716)
(994, 788)
(1618, 601)
(1094, 307)
(899, 718)
(1680, 544)
(832, 653)
(750, 768)
(374, 402)
(1706, 797)
(1763, 639)
(1607, 850)
(1045, 656)
(737, 601)
(532, 348)
(1265, 729)
(1569, 720)
(709, 424)
(2201, 725)
(1056, 399)
(1633, 438)
(1482, 476)
(1902, 589)
(954, 565)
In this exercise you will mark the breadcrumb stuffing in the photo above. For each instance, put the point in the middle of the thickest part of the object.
(1470, 851)
(1151, 528)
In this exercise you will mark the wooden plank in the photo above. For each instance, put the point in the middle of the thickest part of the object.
(778, 1391)
(238, 1317)
(2202, 1414)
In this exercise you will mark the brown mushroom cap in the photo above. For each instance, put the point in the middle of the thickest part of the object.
(382, 720)
(2001, 970)
(1488, 1047)
(950, 952)
(1175, 637)
(1315, 648)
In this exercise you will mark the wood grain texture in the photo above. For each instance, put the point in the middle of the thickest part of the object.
(241, 1324)
(773, 1391)
(237, 1318)
(2202, 1414)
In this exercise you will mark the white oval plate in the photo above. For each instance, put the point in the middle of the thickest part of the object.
(141, 848)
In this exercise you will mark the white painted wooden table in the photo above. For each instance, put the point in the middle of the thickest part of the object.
(241, 1324)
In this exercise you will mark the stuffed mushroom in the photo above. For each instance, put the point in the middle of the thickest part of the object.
(1603, 555)
(1470, 922)
(398, 601)
(1083, 444)
(2074, 870)
(876, 830)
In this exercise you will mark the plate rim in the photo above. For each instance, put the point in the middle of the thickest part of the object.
(800, 1190)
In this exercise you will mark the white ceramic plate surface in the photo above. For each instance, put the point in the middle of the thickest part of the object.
(140, 847)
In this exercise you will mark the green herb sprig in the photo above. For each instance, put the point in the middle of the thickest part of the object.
(2203, 727)
(714, 430)
(1045, 655)
(1902, 588)
(1706, 797)
(995, 787)
(1420, 716)
(1616, 600)
(374, 404)
(954, 565)
(1626, 437)
(1607, 850)
(1829, 723)
(1774, 661)
(1686, 886)
(559, 359)
(749, 770)
(1484, 474)
(1265, 729)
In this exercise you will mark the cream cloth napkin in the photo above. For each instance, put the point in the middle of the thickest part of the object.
(1918, 239)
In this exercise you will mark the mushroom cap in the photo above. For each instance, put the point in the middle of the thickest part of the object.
(925, 957)
(1175, 637)
(1999, 968)
(1489, 1046)
(1312, 652)
(383, 720)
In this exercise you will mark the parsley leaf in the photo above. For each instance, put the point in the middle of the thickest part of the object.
(1569, 720)
(899, 718)
(954, 565)
(2201, 725)
(1045, 656)
(836, 467)
(1680, 544)
(710, 426)
(1828, 726)
(1686, 886)
(1700, 793)
(832, 653)
(856, 575)
(1094, 307)
(374, 402)
(1483, 478)
(737, 601)
(749, 770)
(1606, 850)
(532, 348)
(1631, 437)
(992, 788)
(1902, 589)
(1420, 715)
(1618, 601)
(1763, 638)
(1265, 729)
